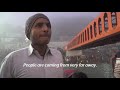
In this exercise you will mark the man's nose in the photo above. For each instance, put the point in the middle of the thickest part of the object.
(45, 28)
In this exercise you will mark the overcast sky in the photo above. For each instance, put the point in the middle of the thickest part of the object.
(19, 18)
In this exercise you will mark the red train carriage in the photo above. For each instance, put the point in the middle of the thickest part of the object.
(105, 29)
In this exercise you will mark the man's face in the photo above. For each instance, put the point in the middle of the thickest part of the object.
(41, 32)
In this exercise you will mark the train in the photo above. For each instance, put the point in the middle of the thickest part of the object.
(103, 30)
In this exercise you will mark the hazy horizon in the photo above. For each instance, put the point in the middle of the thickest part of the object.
(19, 18)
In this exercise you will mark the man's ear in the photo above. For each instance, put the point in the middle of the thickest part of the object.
(26, 39)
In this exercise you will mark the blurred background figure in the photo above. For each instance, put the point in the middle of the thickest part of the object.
(68, 72)
(116, 64)
(78, 75)
(74, 74)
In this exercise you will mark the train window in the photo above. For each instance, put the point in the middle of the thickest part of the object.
(95, 29)
(81, 37)
(78, 39)
(114, 19)
(100, 25)
(88, 33)
(74, 42)
(85, 36)
(91, 31)
(105, 22)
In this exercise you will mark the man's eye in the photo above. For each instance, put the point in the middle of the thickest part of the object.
(39, 25)
(48, 25)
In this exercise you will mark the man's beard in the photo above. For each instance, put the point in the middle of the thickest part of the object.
(41, 42)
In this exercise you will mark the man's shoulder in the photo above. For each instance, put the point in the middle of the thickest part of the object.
(18, 52)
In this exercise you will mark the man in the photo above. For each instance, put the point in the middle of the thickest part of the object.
(30, 62)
